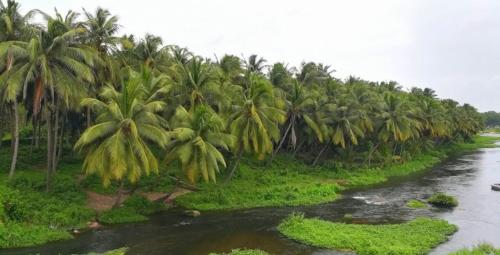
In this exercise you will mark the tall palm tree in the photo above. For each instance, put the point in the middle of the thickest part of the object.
(117, 146)
(55, 68)
(254, 64)
(13, 26)
(255, 120)
(197, 136)
(299, 115)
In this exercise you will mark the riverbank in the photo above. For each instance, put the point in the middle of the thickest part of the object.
(289, 182)
(28, 221)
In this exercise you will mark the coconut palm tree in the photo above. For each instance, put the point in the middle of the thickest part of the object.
(197, 138)
(13, 26)
(117, 146)
(255, 120)
(54, 68)
(299, 115)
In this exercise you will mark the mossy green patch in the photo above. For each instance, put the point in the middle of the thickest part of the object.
(242, 252)
(120, 251)
(443, 200)
(416, 204)
(418, 236)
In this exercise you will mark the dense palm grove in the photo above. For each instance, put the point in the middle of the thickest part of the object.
(129, 105)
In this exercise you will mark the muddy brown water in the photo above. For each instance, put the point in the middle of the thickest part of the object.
(467, 177)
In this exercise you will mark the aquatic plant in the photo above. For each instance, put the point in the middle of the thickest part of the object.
(416, 204)
(417, 237)
(442, 200)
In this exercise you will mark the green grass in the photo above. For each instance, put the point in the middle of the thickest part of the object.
(418, 236)
(481, 249)
(14, 234)
(289, 182)
(416, 204)
(242, 252)
(442, 200)
(134, 209)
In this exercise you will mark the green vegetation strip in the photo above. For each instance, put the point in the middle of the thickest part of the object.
(415, 237)
(289, 182)
(416, 204)
(481, 249)
(242, 252)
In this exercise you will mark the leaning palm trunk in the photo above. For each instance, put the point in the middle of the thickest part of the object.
(235, 165)
(320, 153)
(292, 121)
(119, 195)
(15, 138)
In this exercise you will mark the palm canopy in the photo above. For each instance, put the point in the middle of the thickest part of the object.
(53, 61)
(197, 138)
(256, 117)
(397, 120)
(116, 147)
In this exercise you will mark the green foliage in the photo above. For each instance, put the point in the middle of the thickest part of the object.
(23, 234)
(121, 215)
(242, 252)
(416, 204)
(418, 236)
(442, 200)
(289, 182)
(481, 249)
(134, 209)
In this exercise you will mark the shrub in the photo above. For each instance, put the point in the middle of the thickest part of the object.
(442, 200)
(121, 215)
(141, 205)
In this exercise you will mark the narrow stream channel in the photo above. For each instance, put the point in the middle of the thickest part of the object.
(467, 177)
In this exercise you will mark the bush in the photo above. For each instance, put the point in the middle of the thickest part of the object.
(133, 209)
(141, 205)
(121, 215)
(443, 200)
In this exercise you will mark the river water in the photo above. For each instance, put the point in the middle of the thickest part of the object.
(467, 177)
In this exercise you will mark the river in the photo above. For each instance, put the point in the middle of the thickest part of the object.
(467, 177)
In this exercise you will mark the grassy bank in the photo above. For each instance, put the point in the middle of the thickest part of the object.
(289, 182)
(415, 237)
(482, 249)
(29, 215)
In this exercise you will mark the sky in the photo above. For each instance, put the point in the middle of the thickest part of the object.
(451, 46)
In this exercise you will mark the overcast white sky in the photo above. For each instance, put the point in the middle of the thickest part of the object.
(452, 46)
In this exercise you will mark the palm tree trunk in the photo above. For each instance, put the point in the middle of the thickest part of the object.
(282, 141)
(50, 133)
(320, 153)
(55, 141)
(60, 146)
(89, 121)
(298, 148)
(235, 165)
(119, 195)
(15, 138)
(371, 153)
